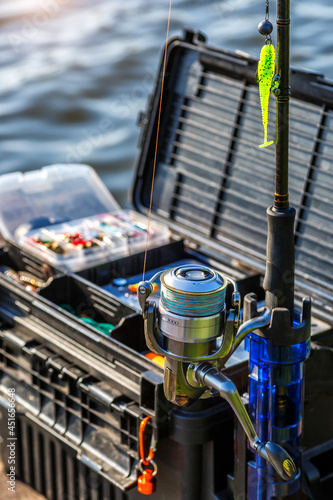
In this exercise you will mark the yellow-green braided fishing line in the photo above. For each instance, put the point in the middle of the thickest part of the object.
(266, 72)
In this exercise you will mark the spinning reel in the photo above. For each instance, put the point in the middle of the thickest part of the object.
(196, 334)
(190, 325)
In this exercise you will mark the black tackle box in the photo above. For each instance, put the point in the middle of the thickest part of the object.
(81, 393)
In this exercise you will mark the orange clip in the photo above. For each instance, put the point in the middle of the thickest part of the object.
(147, 480)
(149, 458)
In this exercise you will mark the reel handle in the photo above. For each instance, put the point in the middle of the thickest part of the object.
(278, 458)
(207, 375)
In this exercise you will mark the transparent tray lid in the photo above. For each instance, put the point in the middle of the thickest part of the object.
(51, 195)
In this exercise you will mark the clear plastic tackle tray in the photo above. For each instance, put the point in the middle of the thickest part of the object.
(65, 215)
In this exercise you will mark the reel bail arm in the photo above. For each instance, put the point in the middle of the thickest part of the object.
(145, 289)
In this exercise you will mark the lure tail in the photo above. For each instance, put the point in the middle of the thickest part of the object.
(265, 143)
(266, 71)
(264, 120)
(264, 99)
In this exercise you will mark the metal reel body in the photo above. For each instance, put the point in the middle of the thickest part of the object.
(189, 326)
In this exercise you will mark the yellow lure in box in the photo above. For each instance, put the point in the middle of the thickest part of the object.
(266, 72)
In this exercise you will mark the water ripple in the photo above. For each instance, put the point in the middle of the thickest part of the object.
(75, 73)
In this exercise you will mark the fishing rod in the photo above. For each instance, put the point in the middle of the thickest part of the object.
(280, 265)
(278, 351)
(196, 334)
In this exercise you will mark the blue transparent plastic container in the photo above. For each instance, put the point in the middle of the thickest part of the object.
(276, 385)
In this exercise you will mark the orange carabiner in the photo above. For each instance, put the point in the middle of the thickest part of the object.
(149, 458)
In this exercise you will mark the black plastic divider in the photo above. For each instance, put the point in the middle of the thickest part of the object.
(91, 302)
(85, 300)
(133, 264)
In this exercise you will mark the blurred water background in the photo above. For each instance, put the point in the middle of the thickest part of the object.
(75, 73)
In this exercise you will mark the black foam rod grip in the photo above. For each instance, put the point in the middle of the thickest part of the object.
(280, 264)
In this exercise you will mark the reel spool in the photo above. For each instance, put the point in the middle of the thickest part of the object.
(192, 311)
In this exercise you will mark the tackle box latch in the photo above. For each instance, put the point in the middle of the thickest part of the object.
(194, 36)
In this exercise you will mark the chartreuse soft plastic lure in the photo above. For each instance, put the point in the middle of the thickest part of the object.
(266, 72)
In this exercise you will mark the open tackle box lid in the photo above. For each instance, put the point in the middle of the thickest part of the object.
(212, 182)
(65, 216)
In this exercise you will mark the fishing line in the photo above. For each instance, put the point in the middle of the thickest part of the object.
(157, 139)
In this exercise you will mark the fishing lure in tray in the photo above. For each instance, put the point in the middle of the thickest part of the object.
(266, 72)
